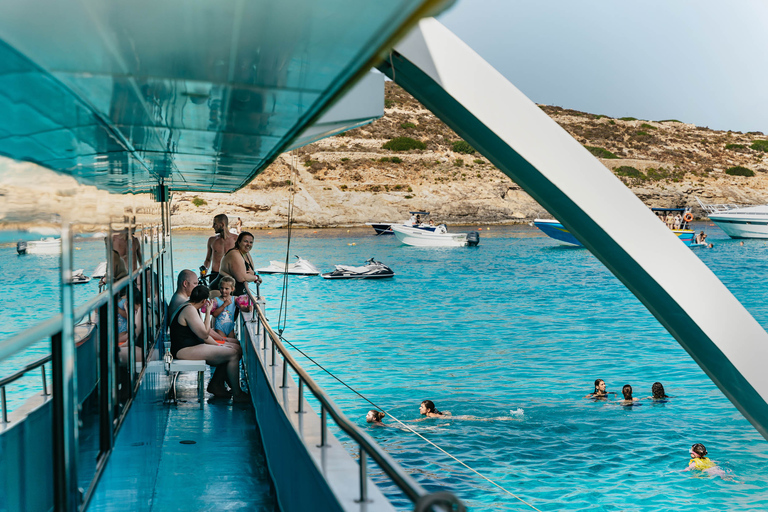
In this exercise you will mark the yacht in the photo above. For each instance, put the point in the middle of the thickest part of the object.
(409, 235)
(417, 220)
(738, 221)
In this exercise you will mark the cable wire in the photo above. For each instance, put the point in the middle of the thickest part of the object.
(407, 427)
(282, 318)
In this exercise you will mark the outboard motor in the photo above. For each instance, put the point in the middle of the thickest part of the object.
(473, 238)
(21, 247)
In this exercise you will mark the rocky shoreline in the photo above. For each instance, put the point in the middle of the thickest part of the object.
(352, 179)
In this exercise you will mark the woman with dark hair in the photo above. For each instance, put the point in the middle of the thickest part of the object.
(427, 408)
(190, 339)
(237, 263)
(628, 399)
(599, 391)
(657, 392)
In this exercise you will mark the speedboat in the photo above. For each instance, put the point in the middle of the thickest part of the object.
(417, 220)
(44, 246)
(78, 277)
(739, 221)
(438, 238)
(555, 229)
(301, 267)
(371, 270)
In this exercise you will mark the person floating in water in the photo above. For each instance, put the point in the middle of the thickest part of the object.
(375, 417)
(700, 461)
(599, 391)
(626, 390)
(657, 392)
(427, 408)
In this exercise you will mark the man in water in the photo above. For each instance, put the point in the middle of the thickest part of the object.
(218, 245)
(120, 245)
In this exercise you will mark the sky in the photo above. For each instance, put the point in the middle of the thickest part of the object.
(698, 61)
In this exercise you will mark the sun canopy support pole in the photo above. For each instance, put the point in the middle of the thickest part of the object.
(484, 108)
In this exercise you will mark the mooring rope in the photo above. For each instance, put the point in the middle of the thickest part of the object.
(409, 428)
(282, 318)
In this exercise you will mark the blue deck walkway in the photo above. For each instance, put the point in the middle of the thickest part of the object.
(152, 470)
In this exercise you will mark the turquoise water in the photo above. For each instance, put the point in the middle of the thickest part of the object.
(518, 323)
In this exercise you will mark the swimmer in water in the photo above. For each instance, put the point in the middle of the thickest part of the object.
(427, 408)
(701, 462)
(657, 392)
(375, 417)
(626, 390)
(600, 392)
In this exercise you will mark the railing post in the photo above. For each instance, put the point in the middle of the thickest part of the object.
(131, 345)
(45, 381)
(5, 404)
(106, 384)
(363, 476)
(110, 327)
(273, 353)
(301, 395)
(65, 451)
(285, 374)
(323, 426)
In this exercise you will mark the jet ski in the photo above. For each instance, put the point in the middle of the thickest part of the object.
(100, 271)
(300, 268)
(371, 270)
(78, 277)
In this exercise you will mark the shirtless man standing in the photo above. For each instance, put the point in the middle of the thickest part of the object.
(219, 244)
(120, 245)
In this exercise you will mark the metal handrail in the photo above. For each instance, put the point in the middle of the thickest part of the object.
(16, 376)
(404, 481)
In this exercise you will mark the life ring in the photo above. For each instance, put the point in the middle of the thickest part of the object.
(688, 217)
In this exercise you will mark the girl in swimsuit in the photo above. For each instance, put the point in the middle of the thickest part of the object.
(599, 393)
(427, 408)
(190, 339)
(237, 263)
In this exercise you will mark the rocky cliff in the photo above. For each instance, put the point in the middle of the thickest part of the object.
(351, 179)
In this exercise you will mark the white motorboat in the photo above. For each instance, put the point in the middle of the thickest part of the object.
(371, 270)
(739, 221)
(301, 267)
(44, 246)
(438, 238)
(417, 220)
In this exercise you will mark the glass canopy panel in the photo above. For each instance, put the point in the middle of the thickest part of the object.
(189, 92)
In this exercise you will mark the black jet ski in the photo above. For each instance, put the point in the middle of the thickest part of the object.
(371, 270)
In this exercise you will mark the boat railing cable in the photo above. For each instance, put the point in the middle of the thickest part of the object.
(368, 447)
(282, 317)
(408, 428)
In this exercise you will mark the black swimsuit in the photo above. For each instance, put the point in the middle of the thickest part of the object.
(182, 336)
(239, 285)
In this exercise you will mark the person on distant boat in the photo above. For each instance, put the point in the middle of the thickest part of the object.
(418, 220)
(239, 225)
(218, 245)
(237, 263)
(375, 417)
(600, 391)
(626, 390)
(670, 221)
(701, 237)
(678, 221)
(427, 408)
(191, 339)
(657, 392)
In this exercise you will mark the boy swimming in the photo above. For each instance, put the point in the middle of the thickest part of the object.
(701, 462)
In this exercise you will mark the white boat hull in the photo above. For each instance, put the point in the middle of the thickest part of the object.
(420, 238)
(739, 227)
(48, 246)
(300, 268)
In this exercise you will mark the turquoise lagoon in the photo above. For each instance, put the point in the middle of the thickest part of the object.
(516, 323)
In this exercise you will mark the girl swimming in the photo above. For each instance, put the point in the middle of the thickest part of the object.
(628, 399)
(600, 391)
(427, 408)
(375, 417)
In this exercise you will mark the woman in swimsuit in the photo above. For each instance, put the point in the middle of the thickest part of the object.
(190, 339)
(657, 390)
(600, 391)
(427, 408)
(237, 263)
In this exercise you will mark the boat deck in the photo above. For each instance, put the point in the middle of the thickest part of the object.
(179, 457)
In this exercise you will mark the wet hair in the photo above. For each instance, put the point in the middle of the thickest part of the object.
(658, 390)
(227, 280)
(184, 275)
(627, 392)
(199, 294)
(597, 383)
(377, 415)
(240, 238)
(430, 405)
(699, 449)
